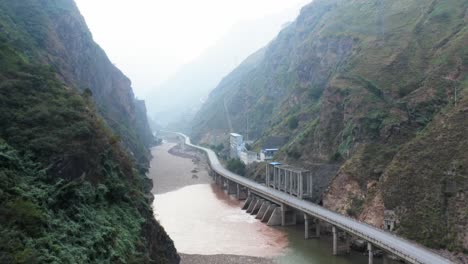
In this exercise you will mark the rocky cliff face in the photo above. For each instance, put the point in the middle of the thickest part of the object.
(58, 36)
(368, 87)
(73, 146)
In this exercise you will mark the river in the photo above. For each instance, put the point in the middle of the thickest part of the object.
(203, 220)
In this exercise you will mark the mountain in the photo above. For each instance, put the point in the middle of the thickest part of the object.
(73, 146)
(177, 99)
(66, 45)
(375, 89)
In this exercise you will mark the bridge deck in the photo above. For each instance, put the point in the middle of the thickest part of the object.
(398, 246)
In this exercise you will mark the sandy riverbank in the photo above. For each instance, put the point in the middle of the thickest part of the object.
(177, 168)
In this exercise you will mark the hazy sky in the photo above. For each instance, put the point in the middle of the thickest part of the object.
(150, 39)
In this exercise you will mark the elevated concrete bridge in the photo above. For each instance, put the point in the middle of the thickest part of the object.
(272, 206)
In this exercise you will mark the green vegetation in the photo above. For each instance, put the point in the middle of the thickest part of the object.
(293, 123)
(217, 148)
(236, 166)
(55, 221)
(69, 190)
(355, 207)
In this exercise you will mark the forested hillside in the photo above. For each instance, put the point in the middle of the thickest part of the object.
(377, 88)
(73, 146)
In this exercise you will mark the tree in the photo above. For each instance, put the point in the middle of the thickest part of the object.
(236, 166)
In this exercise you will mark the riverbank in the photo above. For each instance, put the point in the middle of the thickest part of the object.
(174, 173)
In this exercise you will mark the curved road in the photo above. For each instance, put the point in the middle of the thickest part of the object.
(398, 246)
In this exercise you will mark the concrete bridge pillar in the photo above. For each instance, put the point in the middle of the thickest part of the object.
(262, 210)
(219, 180)
(283, 214)
(231, 187)
(288, 216)
(225, 183)
(347, 243)
(269, 212)
(241, 192)
(275, 218)
(247, 202)
(252, 204)
(317, 228)
(335, 240)
(306, 226)
(371, 253)
(257, 206)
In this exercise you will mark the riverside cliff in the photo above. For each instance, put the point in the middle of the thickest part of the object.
(73, 146)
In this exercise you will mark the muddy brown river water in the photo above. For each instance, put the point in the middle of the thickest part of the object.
(203, 220)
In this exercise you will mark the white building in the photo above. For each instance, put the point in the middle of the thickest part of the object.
(236, 145)
(248, 157)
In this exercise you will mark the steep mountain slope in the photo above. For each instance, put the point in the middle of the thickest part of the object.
(69, 190)
(179, 98)
(376, 87)
(54, 33)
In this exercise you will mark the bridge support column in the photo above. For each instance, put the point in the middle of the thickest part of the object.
(241, 193)
(219, 180)
(269, 211)
(283, 214)
(335, 240)
(317, 228)
(252, 204)
(225, 183)
(231, 187)
(347, 243)
(257, 206)
(262, 210)
(288, 216)
(247, 202)
(371, 253)
(275, 218)
(307, 226)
